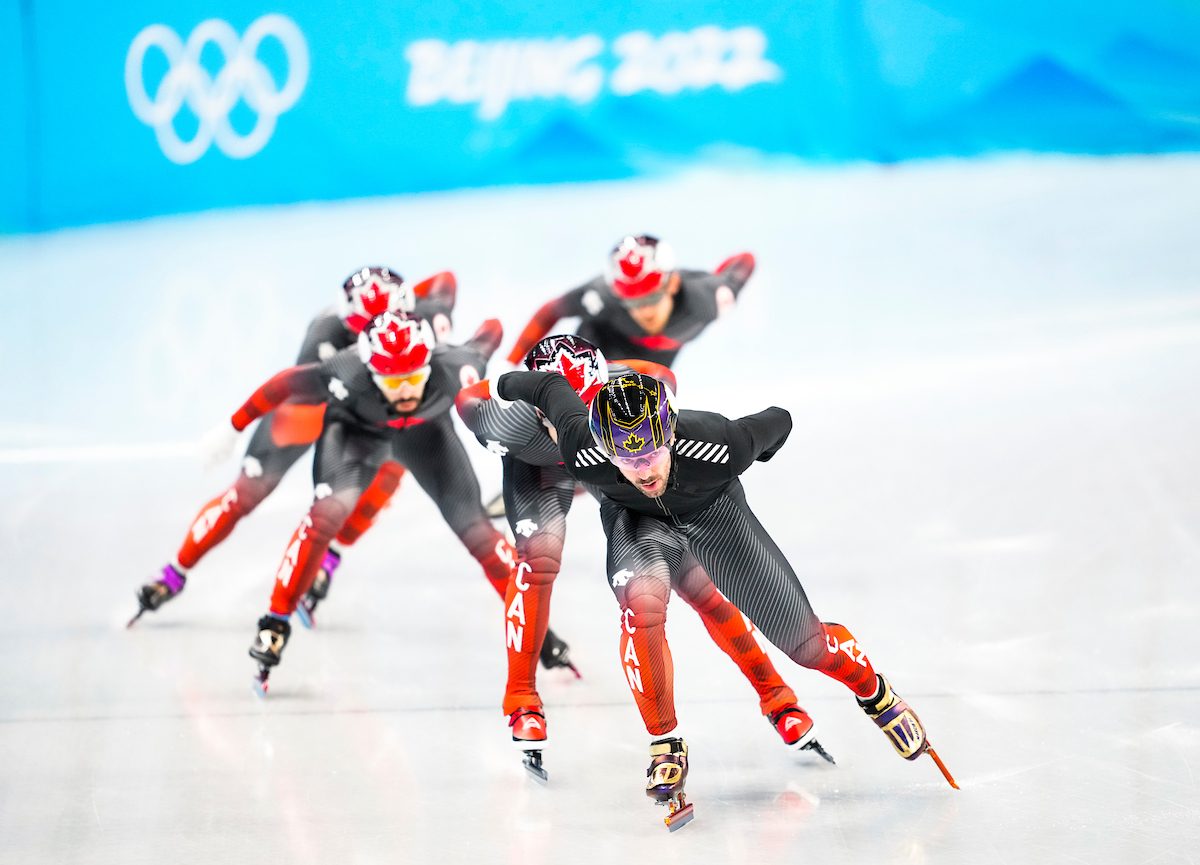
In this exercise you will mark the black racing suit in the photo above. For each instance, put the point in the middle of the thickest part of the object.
(287, 432)
(538, 491)
(283, 436)
(362, 430)
(703, 517)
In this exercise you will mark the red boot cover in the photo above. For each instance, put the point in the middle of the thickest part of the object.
(373, 500)
(527, 611)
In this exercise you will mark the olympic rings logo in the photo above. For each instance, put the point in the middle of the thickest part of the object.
(243, 77)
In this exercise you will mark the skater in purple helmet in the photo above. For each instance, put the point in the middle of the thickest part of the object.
(670, 494)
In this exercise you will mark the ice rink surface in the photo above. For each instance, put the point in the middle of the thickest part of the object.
(993, 481)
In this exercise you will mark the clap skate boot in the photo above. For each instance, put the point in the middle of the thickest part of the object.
(901, 725)
(154, 594)
(797, 730)
(318, 590)
(267, 648)
(529, 735)
(556, 653)
(666, 777)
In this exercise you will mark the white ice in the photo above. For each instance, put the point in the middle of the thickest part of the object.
(993, 480)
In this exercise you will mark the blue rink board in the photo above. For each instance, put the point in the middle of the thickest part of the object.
(410, 96)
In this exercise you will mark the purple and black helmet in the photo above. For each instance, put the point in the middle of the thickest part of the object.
(633, 415)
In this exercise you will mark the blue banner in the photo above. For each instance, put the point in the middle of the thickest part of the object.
(119, 111)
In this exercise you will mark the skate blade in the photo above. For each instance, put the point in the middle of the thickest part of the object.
(814, 745)
(571, 667)
(533, 765)
(305, 617)
(945, 772)
(259, 683)
(129, 624)
(679, 818)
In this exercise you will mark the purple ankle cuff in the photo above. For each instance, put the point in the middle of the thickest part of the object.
(172, 579)
(330, 562)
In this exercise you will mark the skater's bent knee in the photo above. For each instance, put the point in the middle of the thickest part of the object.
(251, 492)
(649, 607)
(541, 570)
(812, 652)
(327, 517)
(478, 537)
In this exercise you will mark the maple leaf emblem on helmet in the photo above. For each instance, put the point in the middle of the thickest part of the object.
(575, 372)
(374, 298)
(634, 443)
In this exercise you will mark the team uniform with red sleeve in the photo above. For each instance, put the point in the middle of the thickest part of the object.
(538, 492)
(700, 516)
(362, 430)
(604, 320)
(285, 434)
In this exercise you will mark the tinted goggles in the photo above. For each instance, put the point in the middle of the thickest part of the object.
(416, 378)
(643, 461)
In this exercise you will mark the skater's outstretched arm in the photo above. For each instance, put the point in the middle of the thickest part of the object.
(553, 394)
(500, 426)
(487, 338)
(435, 303)
(757, 437)
(303, 384)
(545, 318)
(442, 287)
(737, 270)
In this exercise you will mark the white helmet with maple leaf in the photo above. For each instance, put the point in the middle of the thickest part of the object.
(396, 343)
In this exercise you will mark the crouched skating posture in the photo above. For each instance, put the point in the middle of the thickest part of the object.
(538, 493)
(388, 398)
(670, 497)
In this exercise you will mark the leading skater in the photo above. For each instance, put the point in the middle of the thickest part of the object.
(670, 494)
(538, 492)
(286, 433)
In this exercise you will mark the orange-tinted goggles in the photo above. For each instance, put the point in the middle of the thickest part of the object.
(415, 378)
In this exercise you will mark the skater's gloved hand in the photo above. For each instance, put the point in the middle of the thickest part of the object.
(216, 445)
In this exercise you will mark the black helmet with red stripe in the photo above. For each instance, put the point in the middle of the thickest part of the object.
(577, 360)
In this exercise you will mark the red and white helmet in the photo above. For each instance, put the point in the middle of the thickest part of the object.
(576, 359)
(396, 343)
(639, 266)
(370, 291)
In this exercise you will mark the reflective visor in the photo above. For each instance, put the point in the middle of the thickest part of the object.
(644, 461)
